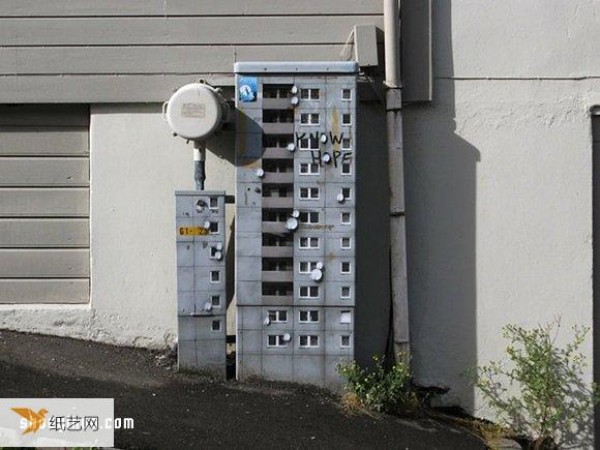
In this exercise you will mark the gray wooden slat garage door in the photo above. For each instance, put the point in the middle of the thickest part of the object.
(44, 204)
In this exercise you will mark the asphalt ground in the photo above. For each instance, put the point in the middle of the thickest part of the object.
(175, 410)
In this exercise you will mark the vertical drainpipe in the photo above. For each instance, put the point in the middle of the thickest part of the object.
(399, 292)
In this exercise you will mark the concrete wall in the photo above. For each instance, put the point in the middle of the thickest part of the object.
(498, 174)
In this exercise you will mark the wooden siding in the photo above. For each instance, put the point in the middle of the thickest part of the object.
(88, 51)
(44, 204)
(93, 8)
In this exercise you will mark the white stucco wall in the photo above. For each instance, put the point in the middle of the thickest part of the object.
(498, 173)
(136, 165)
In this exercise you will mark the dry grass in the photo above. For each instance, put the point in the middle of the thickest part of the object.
(352, 405)
(490, 433)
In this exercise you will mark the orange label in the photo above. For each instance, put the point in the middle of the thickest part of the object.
(193, 231)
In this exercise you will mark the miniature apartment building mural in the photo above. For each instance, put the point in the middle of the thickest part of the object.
(295, 219)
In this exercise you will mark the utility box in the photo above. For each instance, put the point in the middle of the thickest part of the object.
(296, 220)
(201, 293)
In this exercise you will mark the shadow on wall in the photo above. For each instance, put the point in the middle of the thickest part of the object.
(230, 268)
(372, 312)
(440, 171)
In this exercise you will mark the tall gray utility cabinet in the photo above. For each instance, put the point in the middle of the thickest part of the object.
(295, 219)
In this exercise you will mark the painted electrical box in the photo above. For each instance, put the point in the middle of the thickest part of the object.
(201, 300)
(295, 219)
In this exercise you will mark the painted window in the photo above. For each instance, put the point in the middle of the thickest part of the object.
(345, 292)
(345, 243)
(309, 169)
(345, 341)
(346, 119)
(309, 119)
(310, 94)
(346, 317)
(309, 217)
(347, 94)
(278, 316)
(307, 193)
(346, 218)
(345, 267)
(216, 325)
(309, 291)
(346, 169)
(309, 143)
(215, 301)
(307, 266)
(309, 341)
(309, 316)
(215, 276)
(276, 340)
(309, 242)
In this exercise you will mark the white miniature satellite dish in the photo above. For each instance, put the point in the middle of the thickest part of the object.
(195, 111)
(287, 337)
(291, 224)
(316, 275)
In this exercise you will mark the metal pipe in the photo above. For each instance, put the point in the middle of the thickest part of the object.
(199, 164)
(399, 292)
(391, 27)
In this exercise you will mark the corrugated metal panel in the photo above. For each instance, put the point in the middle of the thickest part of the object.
(44, 204)
(85, 51)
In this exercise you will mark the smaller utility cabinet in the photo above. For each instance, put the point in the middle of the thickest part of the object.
(201, 293)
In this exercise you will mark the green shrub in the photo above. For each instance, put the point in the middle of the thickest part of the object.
(539, 391)
(380, 390)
